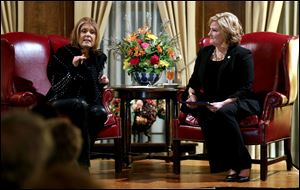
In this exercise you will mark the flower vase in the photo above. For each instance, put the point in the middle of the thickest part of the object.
(144, 78)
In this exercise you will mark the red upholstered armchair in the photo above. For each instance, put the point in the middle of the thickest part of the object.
(24, 59)
(275, 82)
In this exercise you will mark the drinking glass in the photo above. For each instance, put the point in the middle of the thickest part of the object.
(170, 74)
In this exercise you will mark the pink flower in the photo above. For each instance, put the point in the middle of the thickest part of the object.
(151, 102)
(134, 61)
(145, 45)
(154, 59)
(139, 41)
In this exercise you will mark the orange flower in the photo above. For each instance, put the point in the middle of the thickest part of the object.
(141, 53)
(130, 52)
(159, 49)
(132, 37)
(171, 53)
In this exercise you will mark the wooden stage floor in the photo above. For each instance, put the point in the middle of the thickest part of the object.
(157, 174)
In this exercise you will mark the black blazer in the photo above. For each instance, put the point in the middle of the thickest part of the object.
(235, 76)
(234, 80)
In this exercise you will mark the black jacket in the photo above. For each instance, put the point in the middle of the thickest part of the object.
(234, 79)
(75, 82)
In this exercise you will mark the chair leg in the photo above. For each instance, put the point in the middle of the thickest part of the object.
(176, 156)
(263, 162)
(118, 156)
(287, 152)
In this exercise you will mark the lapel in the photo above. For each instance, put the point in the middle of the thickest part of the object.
(203, 62)
(226, 63)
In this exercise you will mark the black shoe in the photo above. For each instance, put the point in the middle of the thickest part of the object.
(243, 178)
(232, 177)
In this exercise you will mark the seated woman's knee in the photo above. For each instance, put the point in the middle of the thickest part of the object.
(99, 113)
(72, 105)
(229, 109)
(80, 104)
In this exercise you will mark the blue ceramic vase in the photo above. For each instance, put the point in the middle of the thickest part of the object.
(143, 78)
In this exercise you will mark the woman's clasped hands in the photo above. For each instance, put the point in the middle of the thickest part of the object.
(213, 107)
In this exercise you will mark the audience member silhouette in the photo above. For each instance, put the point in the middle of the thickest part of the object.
(63, 177)
(25, 147)
(67, 142)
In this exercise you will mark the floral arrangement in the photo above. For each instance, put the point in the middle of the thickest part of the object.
(146, 111)
(145, 52)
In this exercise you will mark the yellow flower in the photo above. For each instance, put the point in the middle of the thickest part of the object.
(151, 37)
(126, 63)
(164, 63)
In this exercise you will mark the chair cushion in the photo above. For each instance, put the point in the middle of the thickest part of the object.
(249, 121)
(112, 128)
(110, 120)
(191, 120)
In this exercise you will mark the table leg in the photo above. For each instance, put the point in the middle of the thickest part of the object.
(128, 133)
(168, 122)
(125, 138)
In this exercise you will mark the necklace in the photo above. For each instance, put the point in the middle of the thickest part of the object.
(218, 57)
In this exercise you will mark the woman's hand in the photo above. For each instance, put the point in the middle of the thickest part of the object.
(191, 98)
(78, 60)
(103, 79)
(215, 106)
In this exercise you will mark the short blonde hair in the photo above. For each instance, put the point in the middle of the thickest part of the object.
(230, 26)
(76, 32)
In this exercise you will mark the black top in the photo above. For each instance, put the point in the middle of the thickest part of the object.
(213, 68)
(75, 82)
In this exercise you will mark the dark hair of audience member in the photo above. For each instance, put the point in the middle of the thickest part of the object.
(67, 141)
(25, 146)
(63, 177)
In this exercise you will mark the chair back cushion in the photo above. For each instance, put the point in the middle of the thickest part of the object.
(269, 55)
(32, 54)
(57, 41)
(7, 56)
(269, 52)
(31, 57)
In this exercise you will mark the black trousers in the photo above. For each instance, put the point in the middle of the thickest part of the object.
(225, 145)
(90, 119)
